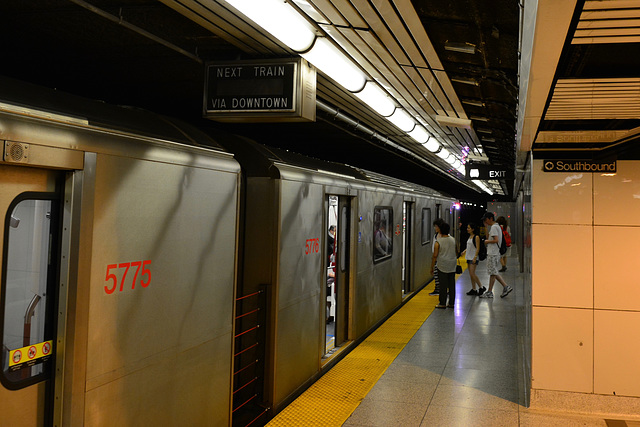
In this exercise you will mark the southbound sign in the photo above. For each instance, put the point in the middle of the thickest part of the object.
(579, 166)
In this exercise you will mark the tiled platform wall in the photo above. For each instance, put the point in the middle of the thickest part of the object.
(586, 282)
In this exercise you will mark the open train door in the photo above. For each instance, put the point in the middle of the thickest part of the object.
(338, 249)
(30, 202)
(407, 245)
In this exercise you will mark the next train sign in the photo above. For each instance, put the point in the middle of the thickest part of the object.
(271, 90)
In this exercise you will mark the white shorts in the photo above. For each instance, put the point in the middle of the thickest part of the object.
(493, 263)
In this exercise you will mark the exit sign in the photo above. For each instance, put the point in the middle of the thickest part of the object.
(487, 172)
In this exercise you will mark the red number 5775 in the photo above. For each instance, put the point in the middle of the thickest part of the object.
(126, 265)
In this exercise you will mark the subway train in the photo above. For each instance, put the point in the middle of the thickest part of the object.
(154, 273)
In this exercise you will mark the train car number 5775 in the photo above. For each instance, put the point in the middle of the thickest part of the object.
(111, 277)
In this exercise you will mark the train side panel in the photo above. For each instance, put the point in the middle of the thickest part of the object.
(422, 240)
(159, 350)
(378, 286)
(300, 276)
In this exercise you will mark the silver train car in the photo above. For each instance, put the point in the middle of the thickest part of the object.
(156, 274)
(335, 249)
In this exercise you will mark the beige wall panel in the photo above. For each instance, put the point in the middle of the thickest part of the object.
(183, 220)
(561, 198)
(617, 345)
(562, 266)
(562, 349)
(611, 193)
(616, 282)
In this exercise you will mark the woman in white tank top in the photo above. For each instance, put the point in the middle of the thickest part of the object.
(471, 255)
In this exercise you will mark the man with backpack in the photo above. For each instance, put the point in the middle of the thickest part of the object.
(505, 248)
(493, 243)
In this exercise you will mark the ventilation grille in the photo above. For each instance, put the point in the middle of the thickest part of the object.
(608, 21)
(592, 99)
(16, 152)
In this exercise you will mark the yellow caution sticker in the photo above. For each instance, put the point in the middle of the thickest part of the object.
(30, 355)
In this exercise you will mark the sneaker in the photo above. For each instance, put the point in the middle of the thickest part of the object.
(472, 292)
(506, 291)
(434, 293)
(487, 295)
(481, 290)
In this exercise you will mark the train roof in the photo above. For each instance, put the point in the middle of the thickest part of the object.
(57, 105)
(260, 160)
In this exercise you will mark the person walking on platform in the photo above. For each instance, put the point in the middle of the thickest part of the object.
(444, 254)
(436, 227)
(506, 233)
(493, 256)
(471, 254)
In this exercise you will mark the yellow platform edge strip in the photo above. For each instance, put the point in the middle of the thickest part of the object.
(333, 398)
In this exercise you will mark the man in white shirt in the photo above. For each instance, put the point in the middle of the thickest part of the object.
(493, 256)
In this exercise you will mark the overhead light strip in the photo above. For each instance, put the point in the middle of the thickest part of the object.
(286, 24)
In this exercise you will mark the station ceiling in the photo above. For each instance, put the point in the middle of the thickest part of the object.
(439, 59)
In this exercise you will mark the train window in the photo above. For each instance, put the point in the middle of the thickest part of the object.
(382, 233)
(426, 226)
(27, 273)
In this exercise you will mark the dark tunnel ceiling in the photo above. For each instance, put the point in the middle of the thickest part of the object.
(59, 44)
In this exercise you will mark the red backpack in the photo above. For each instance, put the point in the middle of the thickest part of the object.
(507, 237)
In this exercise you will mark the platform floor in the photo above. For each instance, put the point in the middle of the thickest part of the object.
(426, 367)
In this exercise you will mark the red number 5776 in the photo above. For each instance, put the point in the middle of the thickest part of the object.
(126, 265)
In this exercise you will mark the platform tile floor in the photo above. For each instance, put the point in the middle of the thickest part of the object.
(464, 367)
(426, 367)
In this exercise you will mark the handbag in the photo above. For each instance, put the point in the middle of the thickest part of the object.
(458, 268)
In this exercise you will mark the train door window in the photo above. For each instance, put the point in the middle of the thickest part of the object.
(333, 247)
(426, 226)
(407, 221)
(28, 275)
(382, 233)
(343, 258)
(438, 211)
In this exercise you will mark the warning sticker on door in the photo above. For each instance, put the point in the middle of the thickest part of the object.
(29, 355)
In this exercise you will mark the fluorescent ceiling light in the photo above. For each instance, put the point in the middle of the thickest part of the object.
(420, 135)
(451, 159)
(457, 164)
(453, 122)
(460, 47)
(332, 62)
(484, 130)
(432, 145)
(377, 99)
(479, 118)
(279, 19)
(473, 103)
(485, 139)
(443, 154)
(402, 120)
(465, 81)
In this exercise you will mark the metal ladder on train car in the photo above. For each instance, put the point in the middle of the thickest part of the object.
(249, 358)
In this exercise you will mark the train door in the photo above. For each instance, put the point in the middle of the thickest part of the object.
(337, 277)
(30, 206)
(407, 223)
